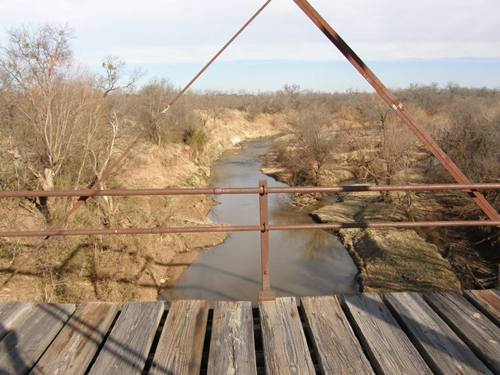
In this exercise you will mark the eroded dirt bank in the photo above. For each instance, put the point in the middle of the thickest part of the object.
(391, 259)
(127, 267)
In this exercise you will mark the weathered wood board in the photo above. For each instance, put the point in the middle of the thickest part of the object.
(285, 345)
(232, 349)
(338, 348)
(390, 350)
(488, 301)
(180, 348)
(477, 331)
(400, 333)
(75, 346)
(11, 314)
(22, 347)
(443, 350)
(127, 346)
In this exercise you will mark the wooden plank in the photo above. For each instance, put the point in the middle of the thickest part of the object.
(488, 301)
(232, 348)
(180, 347)
(75, 346)
(444, 351)
(389, 349)
(21, 348)
(127, 347)
(11, 313)
(285, 345)
(477, 331)
(334, 340)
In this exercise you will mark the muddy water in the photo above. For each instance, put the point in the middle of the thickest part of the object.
(302, 262)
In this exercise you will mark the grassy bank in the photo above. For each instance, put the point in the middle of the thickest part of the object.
(389, 260)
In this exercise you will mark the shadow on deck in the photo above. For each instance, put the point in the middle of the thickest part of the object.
(407, 333)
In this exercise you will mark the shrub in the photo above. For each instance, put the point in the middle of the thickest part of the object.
(196, 138)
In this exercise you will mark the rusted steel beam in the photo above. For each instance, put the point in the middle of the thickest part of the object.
(245, 190)
(216, 56)
(130, 231)
(387, 225)
(246, 228)
(129, 192)
(371, 188)
(395, 104)
(264, 235)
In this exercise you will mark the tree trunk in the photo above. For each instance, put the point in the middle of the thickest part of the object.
(44, 204)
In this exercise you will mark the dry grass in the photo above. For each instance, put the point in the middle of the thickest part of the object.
(389, 259)
(131, 267)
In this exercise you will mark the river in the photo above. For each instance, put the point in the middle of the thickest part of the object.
(302, 262)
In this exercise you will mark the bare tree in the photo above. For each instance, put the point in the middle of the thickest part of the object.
(315, 145)
(472, 140)
(57, 117)
(113, 77)
(148, 109)
(35, 64)
(291, 92)
(382, 144)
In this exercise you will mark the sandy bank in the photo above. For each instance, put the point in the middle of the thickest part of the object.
(128, 267)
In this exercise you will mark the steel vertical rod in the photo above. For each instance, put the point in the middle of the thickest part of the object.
(264, 241)
(396, 105)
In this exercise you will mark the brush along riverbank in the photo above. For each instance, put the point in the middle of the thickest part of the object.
(388, 260)
(124, 268)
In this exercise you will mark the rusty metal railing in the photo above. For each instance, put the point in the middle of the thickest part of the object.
(264, 226)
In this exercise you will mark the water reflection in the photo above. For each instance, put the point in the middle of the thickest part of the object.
(302, 262)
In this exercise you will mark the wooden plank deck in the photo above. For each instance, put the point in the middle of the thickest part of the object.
(334, 340)
(437, 342)
(389, 349)
(232, 349)
(396, 333)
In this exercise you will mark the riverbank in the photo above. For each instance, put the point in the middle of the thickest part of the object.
(302, 263)
(124, 268)
(176, 167)
(388, 260)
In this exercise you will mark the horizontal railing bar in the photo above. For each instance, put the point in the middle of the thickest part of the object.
(380, 188)
(130, 231)
(246, 228)
(128, 192)
(387, 225)
(248, 190)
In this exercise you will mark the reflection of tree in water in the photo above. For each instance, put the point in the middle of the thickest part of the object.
(282, 211)
(319, 242)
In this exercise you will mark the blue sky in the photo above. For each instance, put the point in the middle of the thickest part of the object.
(330, 75)
(427, 41)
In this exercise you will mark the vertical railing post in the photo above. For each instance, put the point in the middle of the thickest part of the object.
(266, 292)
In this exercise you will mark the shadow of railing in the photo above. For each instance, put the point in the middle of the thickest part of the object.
(124, 353)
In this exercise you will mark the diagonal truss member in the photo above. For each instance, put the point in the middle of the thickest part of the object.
(363, 69)
(396, 105)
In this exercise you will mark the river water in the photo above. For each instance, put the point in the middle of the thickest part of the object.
(302, 262)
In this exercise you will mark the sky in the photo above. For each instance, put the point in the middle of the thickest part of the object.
(404, 42)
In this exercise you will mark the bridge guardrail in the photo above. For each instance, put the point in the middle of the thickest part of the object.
(264, 227)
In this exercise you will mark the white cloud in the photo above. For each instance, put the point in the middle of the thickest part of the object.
(167, 31)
